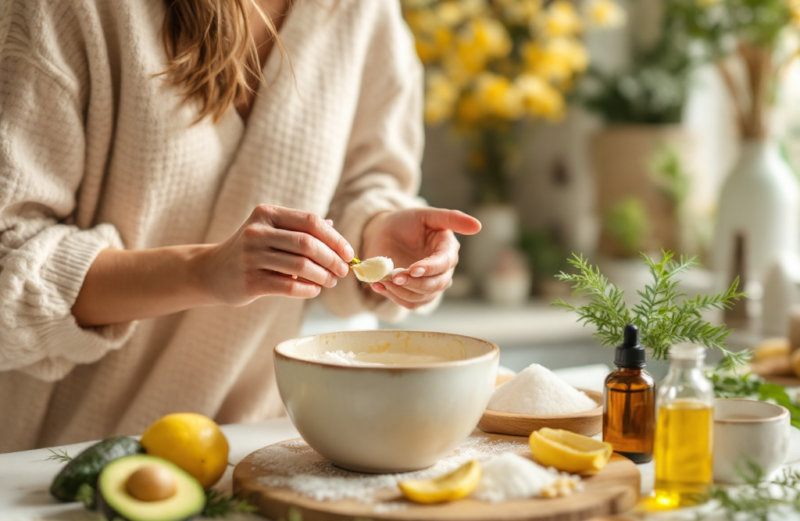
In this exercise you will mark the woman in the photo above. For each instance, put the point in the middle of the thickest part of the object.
(165, 214)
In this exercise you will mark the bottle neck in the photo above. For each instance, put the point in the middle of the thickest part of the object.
(630, 370)
(686, 363)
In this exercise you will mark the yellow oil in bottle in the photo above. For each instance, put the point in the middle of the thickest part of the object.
(683, 453)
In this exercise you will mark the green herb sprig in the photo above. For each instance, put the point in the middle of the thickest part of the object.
(60, 455)
(219, 504)
(664, 314)
(757, 498)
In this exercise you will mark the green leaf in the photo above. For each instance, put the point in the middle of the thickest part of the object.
(219, 504)
(663, 314)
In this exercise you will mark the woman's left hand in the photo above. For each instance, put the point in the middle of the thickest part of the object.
(423, 241)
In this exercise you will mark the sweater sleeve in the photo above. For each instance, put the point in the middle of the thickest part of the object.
(382, 166)
(44, 258)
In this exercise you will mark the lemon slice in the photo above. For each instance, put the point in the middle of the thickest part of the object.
(372, 269)
(449, 487)
(569, 451)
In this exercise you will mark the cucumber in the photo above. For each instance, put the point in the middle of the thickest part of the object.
(84, 468)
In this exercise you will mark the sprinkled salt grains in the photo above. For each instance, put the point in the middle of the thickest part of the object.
(511, 476)
(297, 466)
(537, 390)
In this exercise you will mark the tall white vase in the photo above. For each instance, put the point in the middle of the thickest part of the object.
(500, 231)
(759, 200)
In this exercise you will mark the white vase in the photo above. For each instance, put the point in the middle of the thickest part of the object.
(500, 230)
(758, 200)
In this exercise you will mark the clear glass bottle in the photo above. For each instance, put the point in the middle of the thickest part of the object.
(684, 431)
(629, 401)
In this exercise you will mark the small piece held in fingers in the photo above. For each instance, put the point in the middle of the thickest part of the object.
(372, 269)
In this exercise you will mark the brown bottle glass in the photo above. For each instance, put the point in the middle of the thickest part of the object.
(629, 402)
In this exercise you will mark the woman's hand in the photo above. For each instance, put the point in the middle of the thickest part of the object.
(277, 251)
(423, 240)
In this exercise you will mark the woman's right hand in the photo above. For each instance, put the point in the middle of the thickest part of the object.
(277, 251)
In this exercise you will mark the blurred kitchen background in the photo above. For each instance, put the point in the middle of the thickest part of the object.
(607, 128)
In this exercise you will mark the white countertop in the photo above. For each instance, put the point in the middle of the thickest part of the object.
(25, 476)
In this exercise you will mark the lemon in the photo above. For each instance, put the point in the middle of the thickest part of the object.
(451, 486)
(191, 441)
(569, 451)
(771, 348)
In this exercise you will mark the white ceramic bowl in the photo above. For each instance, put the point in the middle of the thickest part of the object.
(748, 430)
(386, 418)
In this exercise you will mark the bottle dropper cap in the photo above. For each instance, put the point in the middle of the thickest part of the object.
(631, 354)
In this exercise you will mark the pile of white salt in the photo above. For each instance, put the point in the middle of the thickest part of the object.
(511, 476)
(538, 391)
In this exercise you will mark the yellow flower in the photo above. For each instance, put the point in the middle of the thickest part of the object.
(450, 13)
(539, 98)
(480, 40)
(456, 69)
(473, 8)
(605, 13)
(521, 12)
(794, 10)
(561, 19)
(497, 96)
(557, 60)
(440, 98)
(426, 50)
(422, 21)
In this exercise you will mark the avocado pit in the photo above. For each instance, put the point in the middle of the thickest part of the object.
(151, 483)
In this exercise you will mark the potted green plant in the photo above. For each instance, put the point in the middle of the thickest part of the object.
(641, 154)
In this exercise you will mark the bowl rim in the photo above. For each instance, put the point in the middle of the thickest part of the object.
(493, 353)
(779, 412)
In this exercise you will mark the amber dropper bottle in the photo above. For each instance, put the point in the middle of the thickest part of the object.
(629, 402)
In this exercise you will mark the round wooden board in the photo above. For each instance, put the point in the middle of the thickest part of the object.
(613, 490)
(587, 423)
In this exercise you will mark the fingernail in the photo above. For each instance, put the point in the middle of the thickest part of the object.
(334, 283)
(417, 272)
(348, 252)
(400, 280)
(377, 286)
(329, 221)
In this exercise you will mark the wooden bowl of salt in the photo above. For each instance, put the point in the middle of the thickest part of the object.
(537, 398)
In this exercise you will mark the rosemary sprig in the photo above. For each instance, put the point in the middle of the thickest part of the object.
(757, 498)
(663, 314)
(59, 455)
(219, 504)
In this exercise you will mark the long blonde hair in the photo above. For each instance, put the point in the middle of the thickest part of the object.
(211, 53)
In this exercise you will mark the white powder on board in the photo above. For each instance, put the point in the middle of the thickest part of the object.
(297, 466)
(537, 390)
(511, 476)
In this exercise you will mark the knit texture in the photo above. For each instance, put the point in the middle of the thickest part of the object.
(97, 152)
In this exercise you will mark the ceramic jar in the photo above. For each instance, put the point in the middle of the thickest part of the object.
(759, 200)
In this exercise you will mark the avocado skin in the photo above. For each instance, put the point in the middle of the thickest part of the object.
(86, 466)
(112, 515)
(111, 477)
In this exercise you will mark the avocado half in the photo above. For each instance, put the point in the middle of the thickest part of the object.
(114, 501)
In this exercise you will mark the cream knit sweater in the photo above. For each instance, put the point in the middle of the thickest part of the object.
(96, 152)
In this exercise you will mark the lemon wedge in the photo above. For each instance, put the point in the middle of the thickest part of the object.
(569, 451)
(372, 269)
(449, 487)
